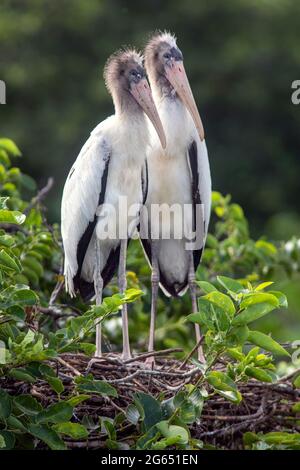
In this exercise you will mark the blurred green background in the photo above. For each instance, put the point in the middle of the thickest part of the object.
(241, 57)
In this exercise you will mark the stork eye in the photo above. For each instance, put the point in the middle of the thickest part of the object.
(134, 73)
(167, 55)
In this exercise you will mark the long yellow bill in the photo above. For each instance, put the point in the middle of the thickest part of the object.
(176, 75)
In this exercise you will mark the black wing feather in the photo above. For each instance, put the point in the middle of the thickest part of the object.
(193, 160)
(85, 288)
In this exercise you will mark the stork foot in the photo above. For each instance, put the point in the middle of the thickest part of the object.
(126, 356)
(94, 360)
(150, 363)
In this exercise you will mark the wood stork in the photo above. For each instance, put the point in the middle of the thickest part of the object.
(180, 174)
(108, 167)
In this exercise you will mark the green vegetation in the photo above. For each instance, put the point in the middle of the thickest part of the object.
(38, 324)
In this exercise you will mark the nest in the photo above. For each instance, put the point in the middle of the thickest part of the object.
(264, 408)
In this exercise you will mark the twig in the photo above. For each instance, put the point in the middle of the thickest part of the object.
(154, 373)
(164, 352)
(42, 193)
(55, 292)
(290, 376)
(233, 428)
(86, 444)
(192, 352)
(68, 366)
(55, 312)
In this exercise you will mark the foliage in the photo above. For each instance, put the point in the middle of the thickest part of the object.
(37, 327)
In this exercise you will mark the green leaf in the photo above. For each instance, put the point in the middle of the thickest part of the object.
(237, 336)
(258, 298)
(110, 429)
(132, 414)
(73, 430)
(27, 404)
(235, 353)
(4, 158)
(5, 404)
(296, 381)
(195, 318)
(7, 440)
(25, 297)
(88, 348)
(76, 400)
(230, 284)
(231, 395)
(28, 182)
(131, 295)
(210, 316)
(10, 147)
(187, 412)
(47, 435)
(14, 424)
(7, 240)
(222, 301)
(268, 248)
(28, 339)
(296, 408)
(147, 439)
(31, 263)
(11, 217)
(178, 434)
(281, 298)
(273, 440)
(8, 262)
(266, 342)
(21, 374)
(55, 383)
(207, 287)
(90, 385)
(57, 413)
(263, 285)
(221, 381)
(149, 409)
(253, 313)
(259, 374)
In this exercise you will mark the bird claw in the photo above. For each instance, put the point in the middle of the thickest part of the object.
(149, 363)
(126, 357)
(93, 361)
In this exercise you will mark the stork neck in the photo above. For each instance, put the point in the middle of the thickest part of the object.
(164, 88)
(126, 107)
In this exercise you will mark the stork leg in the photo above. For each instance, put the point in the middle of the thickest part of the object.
(98, 284)
(122, 286)
(192, 287)
(154, 283)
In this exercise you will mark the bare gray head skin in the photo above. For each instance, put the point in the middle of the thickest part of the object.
(158, 53)
(124, 69)
(165, 69)
(126, 81)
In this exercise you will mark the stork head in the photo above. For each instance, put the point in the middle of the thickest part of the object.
(126, 81)
(164, 66)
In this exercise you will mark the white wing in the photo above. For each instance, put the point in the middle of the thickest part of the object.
(81, 198)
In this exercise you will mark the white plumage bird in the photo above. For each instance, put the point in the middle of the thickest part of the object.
(180, 174)
(108, 167)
